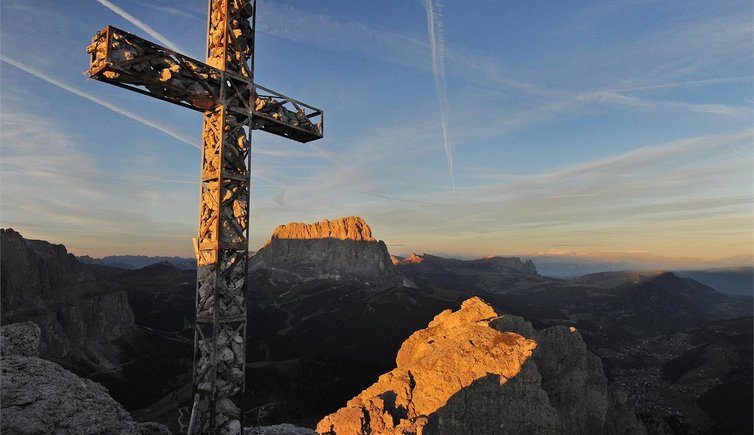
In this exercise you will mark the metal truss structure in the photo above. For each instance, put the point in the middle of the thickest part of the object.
(233, 105)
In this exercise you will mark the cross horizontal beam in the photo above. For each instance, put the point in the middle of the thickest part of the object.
(126, 60)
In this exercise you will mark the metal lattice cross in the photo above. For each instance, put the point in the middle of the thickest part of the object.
(233, 105)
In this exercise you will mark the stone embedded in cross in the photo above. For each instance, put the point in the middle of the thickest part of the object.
(223, 89)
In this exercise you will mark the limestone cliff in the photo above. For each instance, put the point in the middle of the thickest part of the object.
(474, 371)
(342, 249)
(43, 283)
(348, 228)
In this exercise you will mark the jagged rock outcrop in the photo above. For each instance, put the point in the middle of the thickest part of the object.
(20, 339)
(457, 375)
(574, 380)
(474, 371)
(43, 283)
(40, 397)
(342, 249)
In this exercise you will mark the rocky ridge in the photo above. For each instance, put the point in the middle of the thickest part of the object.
(342, 250)
(474, 371)
(43, 283)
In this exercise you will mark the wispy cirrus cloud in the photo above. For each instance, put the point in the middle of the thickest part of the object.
(645, 198)
(106, 104)
(141, 25)
(670, 58)
(437, 46)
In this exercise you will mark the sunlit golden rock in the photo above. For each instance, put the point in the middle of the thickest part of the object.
(347, 228)
(459, 375)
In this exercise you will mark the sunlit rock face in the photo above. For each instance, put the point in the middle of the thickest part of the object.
(342, 250)
(347, 228)
(43, 283)
(474, 371)
(458, 375)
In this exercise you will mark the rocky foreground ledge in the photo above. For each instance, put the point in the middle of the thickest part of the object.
(40, 397)
(475, 371)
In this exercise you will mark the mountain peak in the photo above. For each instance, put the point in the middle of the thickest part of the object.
(341, 250)
(347, 228)
(411, 259)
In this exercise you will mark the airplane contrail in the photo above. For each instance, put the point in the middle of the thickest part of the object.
(141, 25)
(99, 101)
(437, 44)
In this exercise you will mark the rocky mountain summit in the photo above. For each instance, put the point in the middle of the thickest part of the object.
(343, 250)
(474, 371)
(43, 283)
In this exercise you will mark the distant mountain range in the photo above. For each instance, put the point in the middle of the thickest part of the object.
(328, 309)
(736, 281)
(138, 261)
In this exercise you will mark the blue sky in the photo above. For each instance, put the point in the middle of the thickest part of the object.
(576, 128)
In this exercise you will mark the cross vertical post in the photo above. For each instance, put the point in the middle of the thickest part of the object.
(232, 105)
(222, 242)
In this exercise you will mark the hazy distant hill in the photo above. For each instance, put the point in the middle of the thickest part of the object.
(561, 268)
(491, 274)
(571, 266)
(735, 281)
(138, 261)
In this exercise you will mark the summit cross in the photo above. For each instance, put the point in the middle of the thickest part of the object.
(223, 89)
